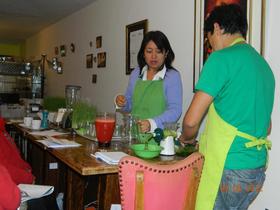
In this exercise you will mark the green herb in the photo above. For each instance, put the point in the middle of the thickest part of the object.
(83, 112)
(167, 132)
(52, 104)
(186, 150)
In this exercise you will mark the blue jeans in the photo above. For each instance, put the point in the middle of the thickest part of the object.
(239, 188)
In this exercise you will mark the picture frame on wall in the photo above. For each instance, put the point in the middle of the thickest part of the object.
(134, 36)
(62, 50)
(98, 42)
(254, 10)
(101, 59)
(72, 47)
(89, 60)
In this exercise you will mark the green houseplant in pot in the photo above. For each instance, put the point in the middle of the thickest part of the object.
(83, 117)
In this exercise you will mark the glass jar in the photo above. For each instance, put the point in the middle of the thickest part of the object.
(130, 128)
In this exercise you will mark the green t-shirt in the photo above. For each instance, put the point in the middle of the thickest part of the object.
(242, 85)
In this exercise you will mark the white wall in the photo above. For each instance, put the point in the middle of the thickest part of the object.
(108, 19)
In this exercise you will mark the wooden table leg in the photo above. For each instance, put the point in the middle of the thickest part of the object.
(109, 192)
(74, 198)
(82, 190)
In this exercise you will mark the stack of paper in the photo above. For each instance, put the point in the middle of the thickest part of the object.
(112, 158)
(31, 191)
(52, 142)
(47, 133)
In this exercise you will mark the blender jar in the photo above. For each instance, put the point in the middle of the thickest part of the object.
(72, 95)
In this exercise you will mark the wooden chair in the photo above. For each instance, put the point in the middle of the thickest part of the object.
(148, 186)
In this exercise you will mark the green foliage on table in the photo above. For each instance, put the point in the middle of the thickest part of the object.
(83, 113)
(186, 150)
(53, 103)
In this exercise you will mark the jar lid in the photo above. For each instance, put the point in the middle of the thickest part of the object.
(77, 87)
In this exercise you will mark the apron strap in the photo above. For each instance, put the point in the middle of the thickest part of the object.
(258, 142)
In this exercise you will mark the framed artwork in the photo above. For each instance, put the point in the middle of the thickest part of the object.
(94, 78)
(62, 50)
(101, 59)
(254, 9)
(98, 41)
(89, 61)
(134, 36)
(72, 47)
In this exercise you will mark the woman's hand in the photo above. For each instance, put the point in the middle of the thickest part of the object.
(120, 100)
(144, 126)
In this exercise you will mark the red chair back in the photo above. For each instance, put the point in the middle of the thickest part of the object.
(149, 186)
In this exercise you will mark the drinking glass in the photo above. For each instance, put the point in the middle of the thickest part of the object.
(104, 128)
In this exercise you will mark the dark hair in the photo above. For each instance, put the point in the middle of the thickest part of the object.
(161, 42)
(230, 17)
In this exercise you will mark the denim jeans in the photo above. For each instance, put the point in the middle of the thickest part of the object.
(239, 188)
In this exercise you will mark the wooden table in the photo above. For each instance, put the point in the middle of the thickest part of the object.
(75, 172)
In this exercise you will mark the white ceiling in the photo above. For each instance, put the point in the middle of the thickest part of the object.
(20, 19)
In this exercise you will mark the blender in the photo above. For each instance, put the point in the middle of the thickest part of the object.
(72, 95)
(170, 133)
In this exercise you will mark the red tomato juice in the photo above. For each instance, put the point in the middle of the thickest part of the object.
(104, 129)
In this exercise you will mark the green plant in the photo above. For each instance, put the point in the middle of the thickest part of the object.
(83, 112)
(186, 150)
(53, 103)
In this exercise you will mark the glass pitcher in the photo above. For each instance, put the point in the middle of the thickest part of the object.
(130, 128)
(72, 95)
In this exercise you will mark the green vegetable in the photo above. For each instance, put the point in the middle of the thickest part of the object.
(81, 131)
(186, 150)
(167, 132)
(83, 112)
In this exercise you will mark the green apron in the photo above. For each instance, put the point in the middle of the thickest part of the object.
(214, 144)
(148, 99)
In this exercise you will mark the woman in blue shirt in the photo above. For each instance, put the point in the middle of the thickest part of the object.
(154, 92)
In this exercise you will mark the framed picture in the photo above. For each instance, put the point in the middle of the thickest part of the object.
(98, 41)
(62, 50)
(134, 36)
(72, 47)
(254, 10)
(94, 78)
(101, 59)
(89, 61)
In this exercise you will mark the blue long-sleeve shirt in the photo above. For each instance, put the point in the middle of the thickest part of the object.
(173, 92)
